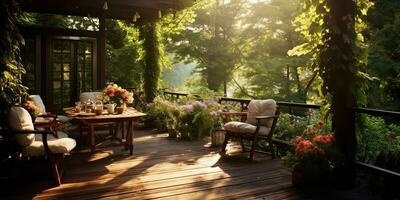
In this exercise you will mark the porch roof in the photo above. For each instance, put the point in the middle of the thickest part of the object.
(116, 9)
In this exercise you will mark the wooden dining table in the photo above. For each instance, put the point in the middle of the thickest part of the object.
(129, 116)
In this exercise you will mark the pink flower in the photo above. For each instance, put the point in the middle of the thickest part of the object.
(187, 108)
(200, 105)
(213, 113)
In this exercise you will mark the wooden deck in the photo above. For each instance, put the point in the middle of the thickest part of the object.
(167, 169)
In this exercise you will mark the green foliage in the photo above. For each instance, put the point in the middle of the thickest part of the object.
(166, 113)
(123, 64)
(384, 55)
(198, 119)
(186, 119)
(150, 33)
(289, 126)
(267, 62)
(375, 137)
(11, 88)
(207, 41)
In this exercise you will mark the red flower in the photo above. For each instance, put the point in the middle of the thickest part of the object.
(110, 91)
(303, 146)
(323, 139)
(298, 139)
(319, 151)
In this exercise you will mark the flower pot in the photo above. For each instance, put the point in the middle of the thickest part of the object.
(311, 176)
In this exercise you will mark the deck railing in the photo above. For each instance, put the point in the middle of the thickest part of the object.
(290, 105)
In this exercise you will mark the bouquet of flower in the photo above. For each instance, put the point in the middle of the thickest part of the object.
(115, 94)
(313, 146)
(32, 108)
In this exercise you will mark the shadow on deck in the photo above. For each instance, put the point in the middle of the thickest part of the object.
(163, 168)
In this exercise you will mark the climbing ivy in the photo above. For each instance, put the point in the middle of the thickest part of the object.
(11, 87)
(153, 51)
(332, 30)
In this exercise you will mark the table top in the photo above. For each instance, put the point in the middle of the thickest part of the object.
(128, 113)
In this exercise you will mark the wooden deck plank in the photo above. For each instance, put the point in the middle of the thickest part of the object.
(173, 175)
(163, 168)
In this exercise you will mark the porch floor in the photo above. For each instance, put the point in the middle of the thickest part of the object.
(167, 169)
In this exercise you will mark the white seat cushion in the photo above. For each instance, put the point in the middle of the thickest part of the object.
(20, 120)
(261, 108)
(62, 144)
(39, 102)
(245, 128)
(89, 95)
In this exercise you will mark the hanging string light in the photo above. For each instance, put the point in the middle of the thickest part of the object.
(159, 14)
(105, 5)
(135, 17)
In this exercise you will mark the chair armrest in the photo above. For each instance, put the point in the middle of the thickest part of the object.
(49, 115)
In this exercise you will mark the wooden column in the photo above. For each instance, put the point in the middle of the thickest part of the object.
(341, 79)
(101, 47)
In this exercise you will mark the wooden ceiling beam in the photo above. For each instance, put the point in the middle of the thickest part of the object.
(117, 9)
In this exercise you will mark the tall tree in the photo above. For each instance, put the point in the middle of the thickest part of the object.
(268, 35)
(208, 41)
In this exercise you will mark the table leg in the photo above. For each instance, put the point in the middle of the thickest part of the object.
(91, 137)
(130, 137)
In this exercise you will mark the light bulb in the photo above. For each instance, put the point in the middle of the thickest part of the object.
(105, 5)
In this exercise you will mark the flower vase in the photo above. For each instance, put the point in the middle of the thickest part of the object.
(120, 109)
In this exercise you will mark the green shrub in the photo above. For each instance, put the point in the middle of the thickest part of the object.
(198, 118)
(376, 137)
(187, 118)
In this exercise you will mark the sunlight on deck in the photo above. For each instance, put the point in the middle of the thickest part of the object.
(168, 169)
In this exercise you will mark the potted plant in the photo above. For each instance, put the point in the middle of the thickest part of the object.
(198, 118)
(164, 114)
(116, 94)
(311, 161)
